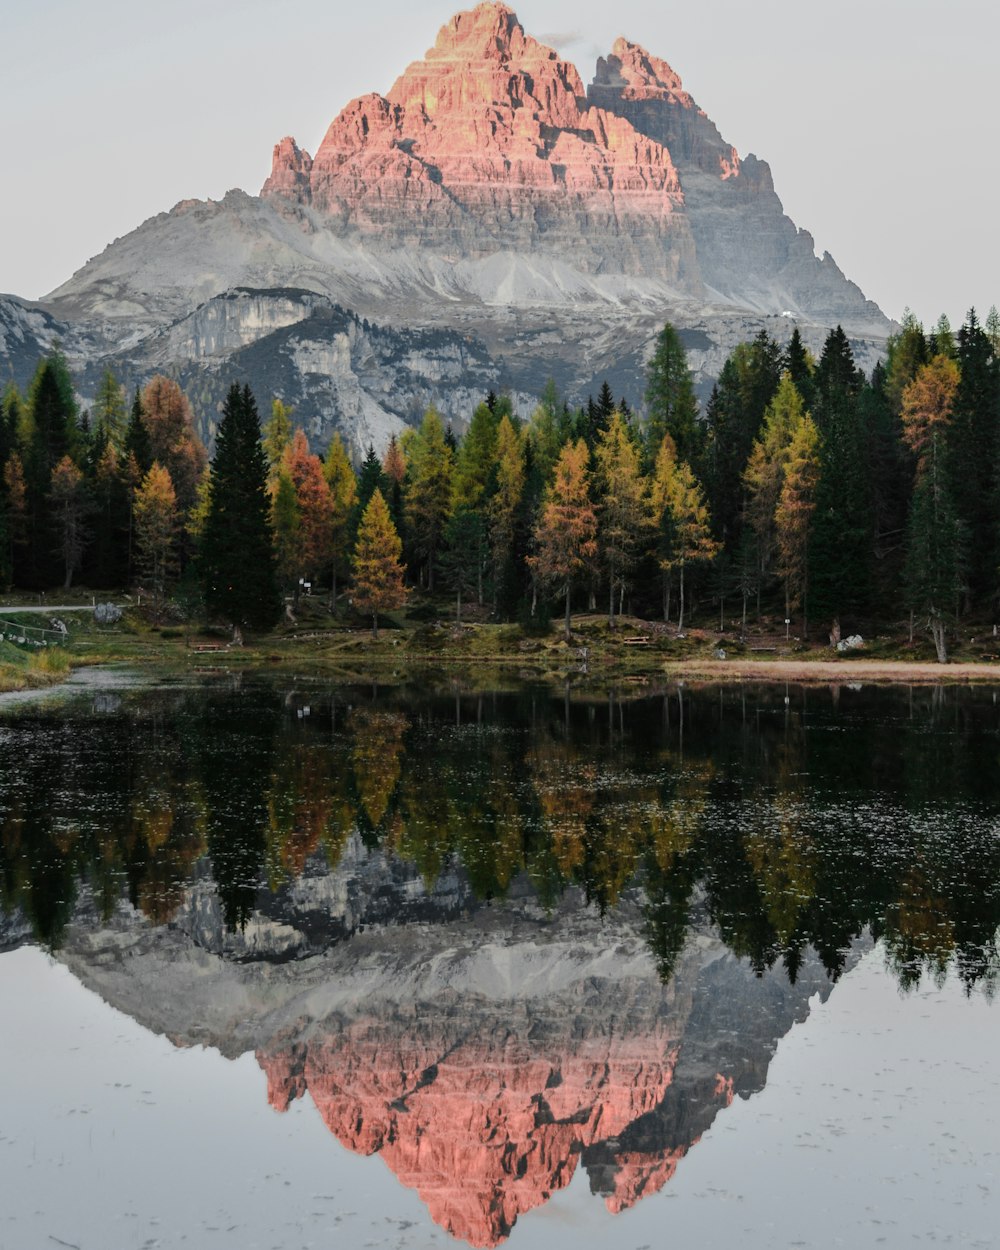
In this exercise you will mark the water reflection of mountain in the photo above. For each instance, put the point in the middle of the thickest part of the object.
(499, 938)
(485, 1054)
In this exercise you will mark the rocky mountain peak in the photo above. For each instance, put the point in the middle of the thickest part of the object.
(483, 57)
(638, 75)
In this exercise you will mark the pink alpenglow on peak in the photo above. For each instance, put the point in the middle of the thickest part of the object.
(489, 143)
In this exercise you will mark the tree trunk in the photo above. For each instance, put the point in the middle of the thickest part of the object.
(567, 611)
(937, 633)
(458, 606)
(375, 626)
(611, 603)
(680, 612)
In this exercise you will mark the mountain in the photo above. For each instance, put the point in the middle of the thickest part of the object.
(492, 199)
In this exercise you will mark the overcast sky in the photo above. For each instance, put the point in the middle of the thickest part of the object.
(877, 116)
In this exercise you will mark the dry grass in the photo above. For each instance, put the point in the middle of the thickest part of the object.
(823, 671)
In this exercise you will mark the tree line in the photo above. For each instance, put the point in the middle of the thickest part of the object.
(804, 488)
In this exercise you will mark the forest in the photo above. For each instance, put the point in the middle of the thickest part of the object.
(802, 489)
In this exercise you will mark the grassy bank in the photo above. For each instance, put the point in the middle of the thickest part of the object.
(424, 646)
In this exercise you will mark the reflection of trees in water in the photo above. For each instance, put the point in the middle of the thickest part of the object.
(794, 819)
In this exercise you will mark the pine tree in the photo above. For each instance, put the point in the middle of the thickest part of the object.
(315, 507)
(623, 506)
(238, 561)
(843, 526)
(428, 493)
(793, 514)
(974, 448)
(110, 412)
(475, 464)
(461, 564)
(69, 507)
(378, 571)
(156, 528)
(277, 436)
(935, 538)
(343, 495)
(285, 525)
(137, 444)
(764, 475)
(505, 514)
(800, 365)
(747, 385)
(565, 537)
(173, 439)
(670, 399)
(679, 508)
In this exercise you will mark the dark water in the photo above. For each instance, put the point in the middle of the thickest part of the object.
(528, 947)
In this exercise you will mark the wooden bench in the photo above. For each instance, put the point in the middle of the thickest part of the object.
(208, 646)
(640, 640)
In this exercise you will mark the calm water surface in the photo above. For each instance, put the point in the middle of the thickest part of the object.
(706, 967)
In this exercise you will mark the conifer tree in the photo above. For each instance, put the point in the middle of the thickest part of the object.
(137, 444)
(935, 538)
(677, 492)
(623, 506)
(670, 398)
(343, 496)
(110, 412)
(173, 440)
(764, 475)
(156, 528)
(69, 507)
(842, 530)
(315, 507)
(475, 464)
(285, 525)
(370, 479)
(505, 513)
(799, 363)
(17, 518)
(794, 513)
(238, 561)
(974, 447)
(277, 436)
(428, 493)
(378, 571)
(461, 563)
(565, 537)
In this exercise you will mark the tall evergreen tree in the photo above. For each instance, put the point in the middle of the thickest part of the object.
(238, 560)
(841, 543)
(974, 445)
(378, 571)
(670, 400)
(428, 493)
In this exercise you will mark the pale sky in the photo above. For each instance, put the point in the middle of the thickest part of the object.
(876, 116)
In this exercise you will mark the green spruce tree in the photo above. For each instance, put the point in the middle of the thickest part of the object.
(237, 560)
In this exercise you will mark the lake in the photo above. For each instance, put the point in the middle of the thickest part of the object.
(284, 963)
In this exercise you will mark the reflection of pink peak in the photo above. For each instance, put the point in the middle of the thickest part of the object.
(640, 1175)
(483, 1132)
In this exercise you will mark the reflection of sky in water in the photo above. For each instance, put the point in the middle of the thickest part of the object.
(877, 1128)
